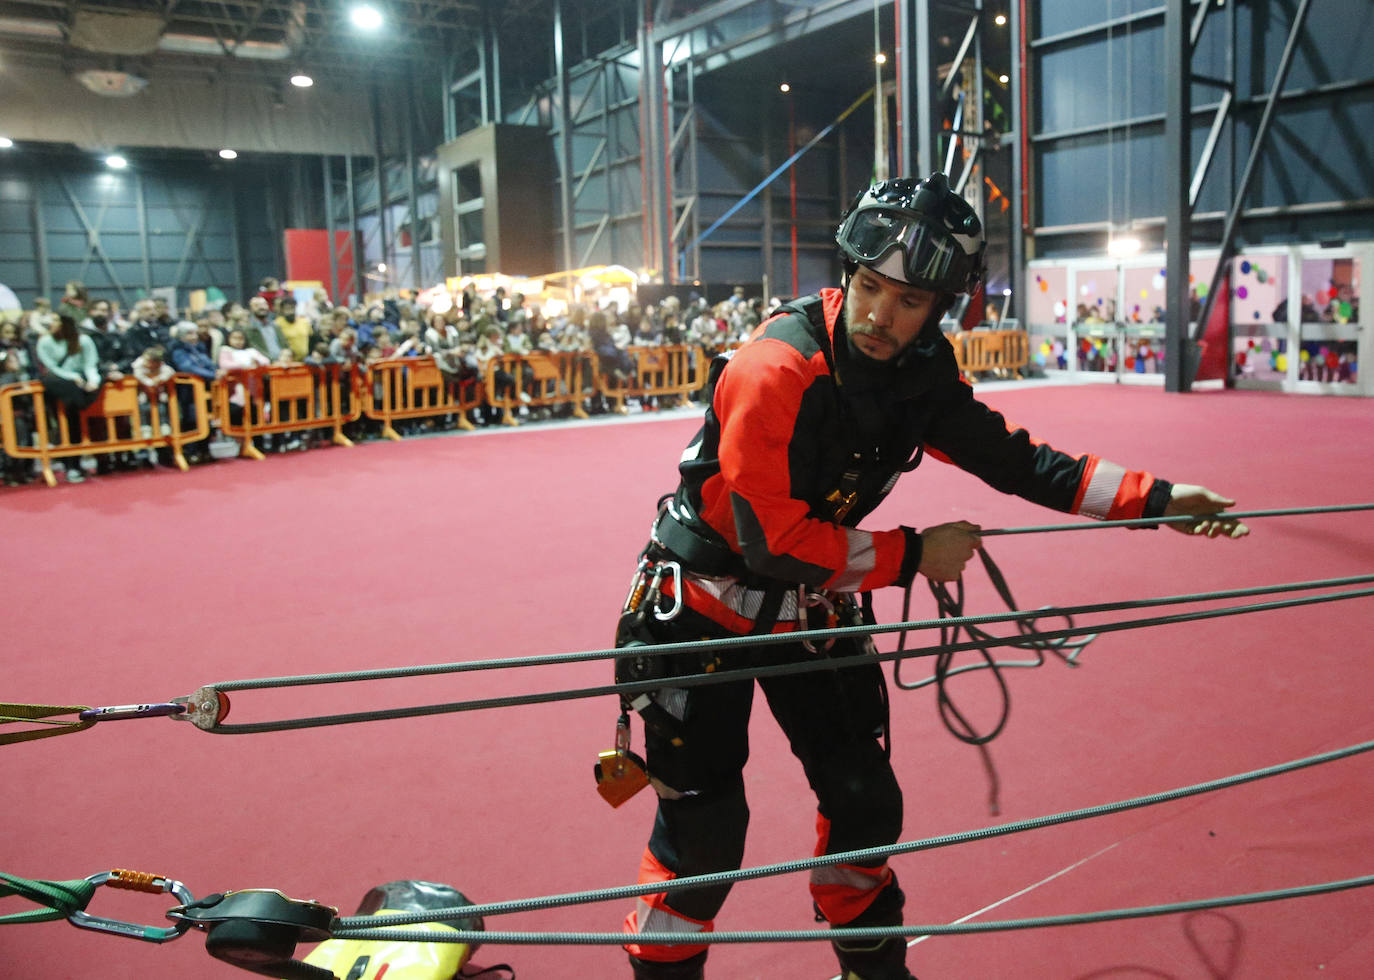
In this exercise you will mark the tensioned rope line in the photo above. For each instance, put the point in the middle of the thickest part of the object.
(721, 677)
(1182, 519)
(833, 935)
(838, 632)
(871, 854)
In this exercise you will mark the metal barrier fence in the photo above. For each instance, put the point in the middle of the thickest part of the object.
(999, 353)
(286, 399)
(540, 380)
(415, 387)
(113, 423)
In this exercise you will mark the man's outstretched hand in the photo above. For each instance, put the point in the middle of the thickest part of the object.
(1187, 498)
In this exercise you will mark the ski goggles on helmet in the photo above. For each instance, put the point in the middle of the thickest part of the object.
(936, 232)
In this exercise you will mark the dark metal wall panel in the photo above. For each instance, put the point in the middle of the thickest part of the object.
(1319, 150)
(122, 233)
(1336, 43)
(1063, 16)
(1098, 106)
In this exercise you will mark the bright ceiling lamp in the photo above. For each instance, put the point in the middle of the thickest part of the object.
(1122, 247)
(302, 80)
(366, 17)
(116, 162)
(228, 154)
(5, 142)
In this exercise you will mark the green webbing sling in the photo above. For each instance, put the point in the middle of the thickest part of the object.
(58, 898)
(40, 714)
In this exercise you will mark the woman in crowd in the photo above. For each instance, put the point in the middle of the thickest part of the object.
(71, 376)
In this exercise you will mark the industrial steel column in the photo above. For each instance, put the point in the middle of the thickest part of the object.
(1177, 214)
(327, 173)
(915, 96)
(565, 164)
(1018, 306)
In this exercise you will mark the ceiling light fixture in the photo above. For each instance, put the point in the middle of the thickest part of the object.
(1000, 20)
(5, 142)
(302, 80)
(880, 58)
(228, 154)
(784, 87)
(116, 162)
(366, 17)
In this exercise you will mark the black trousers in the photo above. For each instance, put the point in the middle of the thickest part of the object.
(833, 720)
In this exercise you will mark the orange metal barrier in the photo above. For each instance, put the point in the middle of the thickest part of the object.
(115, 415)
(288, 398)
(544, 379)
(414, 387)
(670, 373)
(1000, 353)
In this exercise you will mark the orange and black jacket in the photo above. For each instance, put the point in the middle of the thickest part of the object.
(800, 443)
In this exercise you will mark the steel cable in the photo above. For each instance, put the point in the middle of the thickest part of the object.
(866, 855)
(833, 935)
(720, 677)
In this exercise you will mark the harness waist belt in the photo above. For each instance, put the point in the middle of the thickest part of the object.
(695, 551)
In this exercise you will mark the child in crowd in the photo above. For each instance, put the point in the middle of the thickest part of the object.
(152, 373)
(14, 369)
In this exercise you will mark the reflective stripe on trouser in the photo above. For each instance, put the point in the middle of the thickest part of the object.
(651, 914)
(843, 892)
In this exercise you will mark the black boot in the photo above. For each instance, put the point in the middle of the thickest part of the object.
(876, 959)
(692, 968)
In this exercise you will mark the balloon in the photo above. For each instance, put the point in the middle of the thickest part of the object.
(1261, 275)
(1201, 290)
(1304, 356)
(1242, 292)
(1245, 267)
(1345, 311)
(1044, 286)
(1281, 362)
(1038, 279)
(1256, 315)
(1144, 293)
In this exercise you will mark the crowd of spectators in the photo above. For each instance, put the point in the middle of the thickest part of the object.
(87, 341)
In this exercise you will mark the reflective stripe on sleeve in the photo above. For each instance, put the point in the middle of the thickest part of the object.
(860, 561)
(1103, 484)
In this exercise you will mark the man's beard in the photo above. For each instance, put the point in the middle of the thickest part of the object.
(868, 328)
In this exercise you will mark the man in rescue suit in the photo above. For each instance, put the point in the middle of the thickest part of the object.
(808, 426)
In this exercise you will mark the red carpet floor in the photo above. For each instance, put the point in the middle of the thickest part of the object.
(144, 587)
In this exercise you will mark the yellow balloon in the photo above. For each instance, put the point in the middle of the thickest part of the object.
(1281, 362)
(1305, 356)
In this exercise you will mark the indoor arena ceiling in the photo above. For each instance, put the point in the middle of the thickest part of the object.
(310, 34)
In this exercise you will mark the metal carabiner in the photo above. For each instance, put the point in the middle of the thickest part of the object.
(135, 881)
(119, 712)
(810, 600)
(672, 613)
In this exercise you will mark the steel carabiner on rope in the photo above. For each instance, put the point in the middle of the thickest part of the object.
(135, 881)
